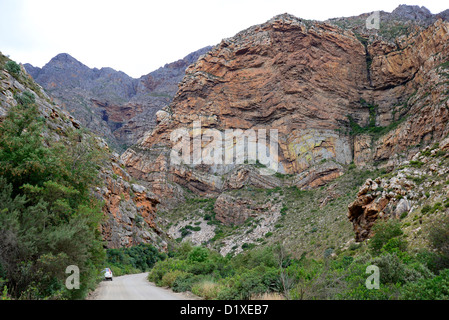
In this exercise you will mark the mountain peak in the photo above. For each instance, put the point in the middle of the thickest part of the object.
(63, 57)
(66, 60)
(412, 12)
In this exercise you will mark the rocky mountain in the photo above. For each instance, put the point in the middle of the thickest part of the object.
(109, 102)
(360, 115)
(339, 95)
(129, 209)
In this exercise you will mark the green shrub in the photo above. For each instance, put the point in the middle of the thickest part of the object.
(165, 266)
(395, 245)
(438, 234)
(383, 232)
(169, 278)
(198, 254)
(416, 163)
(185, 281)
(134, 259)
(428, 209)
(391, 268)
(46, 203)
(13, 68)
(250, 283)
(200, 268)
(436, 288)
(284, 210)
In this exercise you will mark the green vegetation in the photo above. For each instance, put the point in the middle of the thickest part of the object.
(272, 271)
(48, 216)
(136, 259)
(13, 68)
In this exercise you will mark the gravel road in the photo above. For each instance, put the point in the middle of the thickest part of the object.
(134, 287)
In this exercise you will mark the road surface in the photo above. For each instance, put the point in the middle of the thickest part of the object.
(134, 287)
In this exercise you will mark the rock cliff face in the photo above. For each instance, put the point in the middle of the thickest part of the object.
(335, 96)
(129, 209)
(410, 185)
(302, 80)
(109, 102)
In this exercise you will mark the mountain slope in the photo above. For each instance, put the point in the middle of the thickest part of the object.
(128, 208)
(339, 97)
(109, 102)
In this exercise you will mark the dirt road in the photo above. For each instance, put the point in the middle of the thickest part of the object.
(134, 287)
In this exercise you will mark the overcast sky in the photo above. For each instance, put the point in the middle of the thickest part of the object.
(138, 37)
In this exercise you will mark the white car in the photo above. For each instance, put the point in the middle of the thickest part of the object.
(107, 274)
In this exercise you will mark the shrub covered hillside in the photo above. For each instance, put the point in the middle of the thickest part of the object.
(272, 273)
(48, 216)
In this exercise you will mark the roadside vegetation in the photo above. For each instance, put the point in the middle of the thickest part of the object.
(48, 216)
(272, 273)
(136, 259)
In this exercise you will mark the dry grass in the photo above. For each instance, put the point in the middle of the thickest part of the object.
(268, 296)
(207, 289)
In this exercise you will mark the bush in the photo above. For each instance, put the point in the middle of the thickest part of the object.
(205, 267)
(438, 234)
(46, 202)
(198, 254)
(207, 289)
(436, 288)
(13, 68)
(165, 266)
(184, 282)
(383, 232)
(395, 245)
(134, 259)
(250, 283)
(169, 278)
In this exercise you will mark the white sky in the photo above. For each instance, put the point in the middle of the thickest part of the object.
(138, 37)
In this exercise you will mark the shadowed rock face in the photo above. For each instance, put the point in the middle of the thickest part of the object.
(109, 102)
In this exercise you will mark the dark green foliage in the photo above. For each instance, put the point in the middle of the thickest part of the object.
(416, 163)
(140, 258)
(48, 218)
(273, 270)
(13, 68)
(251, 282)
(436, 288)
(439, 236)
(428, 209)
(198, 254)
(384, 231)
(184, 282)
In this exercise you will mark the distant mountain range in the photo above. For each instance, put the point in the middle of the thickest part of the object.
(109, 102)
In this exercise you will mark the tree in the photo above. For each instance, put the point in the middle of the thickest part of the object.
(48, 217)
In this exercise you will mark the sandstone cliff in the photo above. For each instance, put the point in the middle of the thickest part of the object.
(311, 82)
(338, 94)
